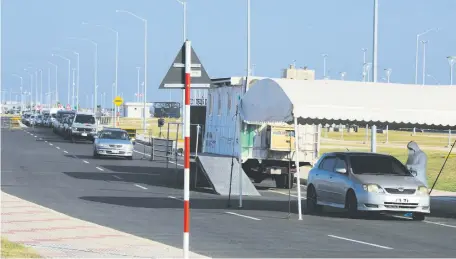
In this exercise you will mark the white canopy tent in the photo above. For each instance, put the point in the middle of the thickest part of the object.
(332, 101)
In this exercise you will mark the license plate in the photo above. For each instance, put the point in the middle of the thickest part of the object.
(84, 134)
(402, 200)
(114, 151)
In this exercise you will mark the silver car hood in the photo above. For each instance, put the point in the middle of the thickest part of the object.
(389, 181)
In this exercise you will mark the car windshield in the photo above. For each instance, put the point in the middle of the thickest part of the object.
(87, 119)
(377, 165)
(113, 135)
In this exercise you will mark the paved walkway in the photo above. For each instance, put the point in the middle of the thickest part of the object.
(53, 234)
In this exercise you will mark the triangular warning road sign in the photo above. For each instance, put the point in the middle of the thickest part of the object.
(175, 77)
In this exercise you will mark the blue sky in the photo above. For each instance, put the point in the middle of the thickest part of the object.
(281, 31)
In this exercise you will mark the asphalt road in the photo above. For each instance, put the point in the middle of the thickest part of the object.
(143, 198)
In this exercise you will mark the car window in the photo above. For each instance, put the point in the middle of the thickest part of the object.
(328, 164)
(340, 163)
(86, 119)
(377, 165)
(113, 135)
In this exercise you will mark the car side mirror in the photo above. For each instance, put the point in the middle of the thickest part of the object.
(341, 170)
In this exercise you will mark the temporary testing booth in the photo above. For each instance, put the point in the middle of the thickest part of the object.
(301, 102)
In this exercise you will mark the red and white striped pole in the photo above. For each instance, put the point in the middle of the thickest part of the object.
(188, 56)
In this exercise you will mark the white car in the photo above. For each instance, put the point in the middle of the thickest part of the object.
(367, 182)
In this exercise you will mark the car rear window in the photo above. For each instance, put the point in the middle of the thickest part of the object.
(378, 165)
(82, 118)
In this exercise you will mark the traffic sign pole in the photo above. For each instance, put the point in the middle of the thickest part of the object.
(188, 51)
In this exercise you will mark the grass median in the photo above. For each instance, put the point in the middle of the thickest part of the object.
(15, 250)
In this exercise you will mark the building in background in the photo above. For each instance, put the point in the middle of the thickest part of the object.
(134, 109)
(298, 73)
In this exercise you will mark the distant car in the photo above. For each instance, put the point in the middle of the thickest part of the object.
(113, 142)
(367, 182)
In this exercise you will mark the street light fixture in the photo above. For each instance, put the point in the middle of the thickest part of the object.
(117, 57)
(56, 81)
(424, 42)
(451, 61)
(324, 65)
(417, 47)
(145, 61)
(96, 69)
(388, 74)
(22, 84)
(69, 73)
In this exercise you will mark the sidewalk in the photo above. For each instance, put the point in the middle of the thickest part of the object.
(53, 234)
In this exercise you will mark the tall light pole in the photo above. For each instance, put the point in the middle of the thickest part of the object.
(56, 81)
(451, 60)
(417, 47)
(22, 84)
(77, 91)
(424, 42)
(117, 54)
(324, 65)
(137, 93)
(145, 61)
(95, 44)
(388, 74)
(375, 42)
(69, 73)
(31, 86)
(41, 86)
(184, 26)
(49, 87)
(364, 64)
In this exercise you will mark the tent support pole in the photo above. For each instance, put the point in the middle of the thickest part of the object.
(298, 178)
(374, 139)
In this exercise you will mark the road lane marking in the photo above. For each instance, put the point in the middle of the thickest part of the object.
(46, 141)
(75, 156)
(175, 163)
(440, 224)
(117, 177)
(150, 155)
(85, 161)
(64, 151)
(51, 144)
(35, 136)
(99, 168)
(240, 215)
(57, 147)
(360, 242)
(142, 187)
(174, 198)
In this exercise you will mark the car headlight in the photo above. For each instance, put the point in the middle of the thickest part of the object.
(102, 145)
(373, 188)
(423, 190)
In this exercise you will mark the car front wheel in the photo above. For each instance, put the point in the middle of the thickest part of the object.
(351, 205)
(311, 202)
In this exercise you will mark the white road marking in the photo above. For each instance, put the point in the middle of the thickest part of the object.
(85, 161)
(75, 156)
(440, 224)
(46, 141)
(142, 187)
(240, 215)
(99, 168)
(117, 177)
(35, 136)
(51, 144)
(150, 155)
(175, 163)
(57, 147)
(174, 198)
(64, 151)
(303, 197)
(360, 242)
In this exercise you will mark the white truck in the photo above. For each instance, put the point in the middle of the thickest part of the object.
(267, 150)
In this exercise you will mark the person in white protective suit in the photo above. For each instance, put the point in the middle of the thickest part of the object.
(417, 162)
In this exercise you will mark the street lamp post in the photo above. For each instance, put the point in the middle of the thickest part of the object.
(69, 73)
(56, 81)
(184, 5)
(31, 87)
(324, 65)
(424, 42)
(137, 93)
(375, 48)
(96, 69)
(451, 60)
(364, 64)
(145, 61)
(417, 47)
(117, 56)
(22, 84)
(388, 74)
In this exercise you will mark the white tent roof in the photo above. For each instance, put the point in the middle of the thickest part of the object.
(328, 101)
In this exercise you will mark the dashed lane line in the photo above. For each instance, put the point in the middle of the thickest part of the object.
(240, 215)
(117, 177)
(360, 242)
(85, 161)
(99, 168)
(64, 151)
(142, 187)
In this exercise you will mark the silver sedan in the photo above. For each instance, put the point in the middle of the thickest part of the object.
(373, 182)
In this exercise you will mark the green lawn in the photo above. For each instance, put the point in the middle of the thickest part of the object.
(14, 250)
(447, 180)
(427, 139)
